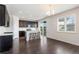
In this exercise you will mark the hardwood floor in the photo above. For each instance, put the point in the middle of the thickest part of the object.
(50, 47)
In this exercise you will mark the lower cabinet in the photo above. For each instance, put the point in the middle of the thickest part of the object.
(6, 42)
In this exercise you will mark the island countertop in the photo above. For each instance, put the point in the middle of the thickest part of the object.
(6, 33)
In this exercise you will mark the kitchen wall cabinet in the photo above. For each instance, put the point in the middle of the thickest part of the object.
(23, 23)
(4, 16)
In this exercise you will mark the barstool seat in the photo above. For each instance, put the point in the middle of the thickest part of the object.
(34, 36)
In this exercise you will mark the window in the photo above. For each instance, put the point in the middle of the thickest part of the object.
(66, 24)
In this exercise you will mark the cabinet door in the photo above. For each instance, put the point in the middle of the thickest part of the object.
(5, 43)
(2, 15)
(0, 43)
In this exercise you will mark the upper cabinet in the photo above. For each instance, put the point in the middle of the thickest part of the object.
(4, 16)
(23, 23)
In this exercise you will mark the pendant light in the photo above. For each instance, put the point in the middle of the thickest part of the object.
(51, 10)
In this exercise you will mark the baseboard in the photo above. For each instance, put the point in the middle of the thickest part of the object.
(63, 41)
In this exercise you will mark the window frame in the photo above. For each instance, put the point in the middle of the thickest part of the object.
(65, 18)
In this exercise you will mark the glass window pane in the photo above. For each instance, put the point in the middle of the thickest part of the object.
(70, 27)
(70, 20)
(70, 23)
(61, 20)
(61, 27)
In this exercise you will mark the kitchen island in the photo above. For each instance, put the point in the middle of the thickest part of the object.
(30, 33)
(6, 42)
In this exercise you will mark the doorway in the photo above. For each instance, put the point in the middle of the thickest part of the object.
(43, 27)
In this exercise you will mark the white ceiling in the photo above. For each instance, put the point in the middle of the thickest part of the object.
(36, 11)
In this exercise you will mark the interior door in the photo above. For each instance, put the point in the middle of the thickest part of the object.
(43, 28)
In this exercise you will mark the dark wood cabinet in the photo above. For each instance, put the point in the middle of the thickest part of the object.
(4, 16)
(23, 23)
(22, 33)
(6, 42)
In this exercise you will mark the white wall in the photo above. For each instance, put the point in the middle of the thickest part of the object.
(72, 38)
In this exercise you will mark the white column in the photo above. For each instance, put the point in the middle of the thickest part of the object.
(15, 34)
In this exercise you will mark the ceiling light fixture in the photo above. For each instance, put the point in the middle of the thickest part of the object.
(51, 10)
